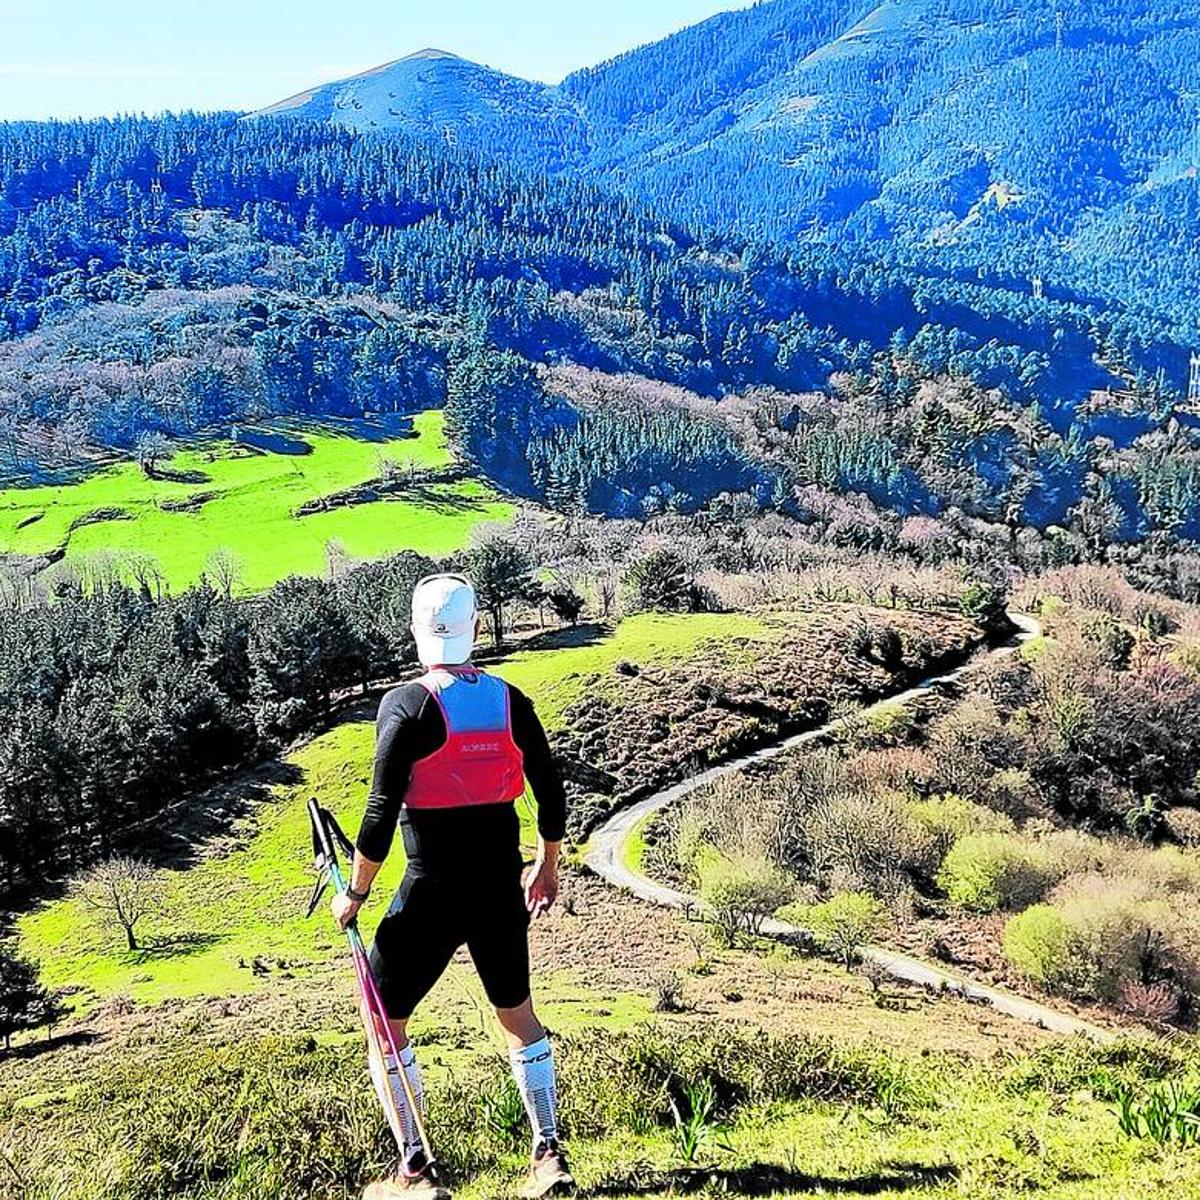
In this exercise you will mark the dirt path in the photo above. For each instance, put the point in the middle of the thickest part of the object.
(607, 856)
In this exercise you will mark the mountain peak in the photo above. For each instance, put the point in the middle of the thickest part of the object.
(428, 52)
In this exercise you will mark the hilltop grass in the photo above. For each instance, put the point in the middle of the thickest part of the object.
(560, 678)
(233, 906)
(291, 1116)
(246, 504)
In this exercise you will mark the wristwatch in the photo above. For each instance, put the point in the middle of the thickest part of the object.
(357, 897)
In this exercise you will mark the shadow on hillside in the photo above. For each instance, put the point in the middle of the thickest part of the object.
(767, 1179)
(438, 499)
(27, 1050)
(387, 427)
(197, 826)
(572, 637)
(272, 442)
(174, 945)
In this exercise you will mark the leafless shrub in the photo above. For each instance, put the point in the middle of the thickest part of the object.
(668, 993)
(1154, 1002)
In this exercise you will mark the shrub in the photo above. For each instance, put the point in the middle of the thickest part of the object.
(1042, 946)
(859, 640)
(986, 604)
(1156, 1002)
(1012, 790)
(987, 871)
(969, 743)
(856, 841)
(1102, 934)
(660, 582)
(841, 925)
(1114, 640)
(1183, 824)
(948, 818)
(1074, 853)
(668, 993)
(741, 893)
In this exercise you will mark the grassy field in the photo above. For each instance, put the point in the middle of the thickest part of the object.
(223, 1082)
(234, 906)
(823, 1087)
(246, 503)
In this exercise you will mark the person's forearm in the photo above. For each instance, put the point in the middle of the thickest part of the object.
(547, 852)
(362, 873)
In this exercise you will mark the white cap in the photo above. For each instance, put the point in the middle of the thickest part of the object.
(444, 614)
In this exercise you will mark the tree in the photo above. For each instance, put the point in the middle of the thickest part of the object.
(124, 892)
(226, 569)
(566, 603)
(501, 572)
(660, 581)
(151, 448)
(24, 1003)
(843, 924)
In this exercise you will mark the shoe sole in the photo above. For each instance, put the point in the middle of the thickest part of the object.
(560, 1185)
(431, 1193)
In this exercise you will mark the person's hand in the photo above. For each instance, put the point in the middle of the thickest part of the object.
(344, 909)
(541, 887)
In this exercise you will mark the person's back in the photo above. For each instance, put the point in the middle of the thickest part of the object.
(453, 752)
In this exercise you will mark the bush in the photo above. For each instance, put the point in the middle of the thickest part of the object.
(1102, 935)
(969, 744)
(841, 925)
(660, 582)
(1042, 946)
(1114, 640)
(986, 604)
(741, 893)
(856, 841)
(948, 818)
(987, 871)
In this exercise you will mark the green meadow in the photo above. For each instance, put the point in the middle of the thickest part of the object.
(236, 904)
(244, 499)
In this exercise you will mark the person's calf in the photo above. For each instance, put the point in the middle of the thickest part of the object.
(533, 1070)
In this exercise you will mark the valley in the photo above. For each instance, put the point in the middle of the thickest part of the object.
(828, 1078)
(813, 398)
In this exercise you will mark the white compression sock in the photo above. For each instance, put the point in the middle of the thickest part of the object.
(406, 1134)
(533, 1069)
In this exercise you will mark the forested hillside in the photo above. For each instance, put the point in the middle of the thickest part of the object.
(166, 276)
(965, 137)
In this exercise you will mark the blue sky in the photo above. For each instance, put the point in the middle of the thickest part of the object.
(63, 58)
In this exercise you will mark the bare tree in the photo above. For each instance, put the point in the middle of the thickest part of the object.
(226, 570)
(123, 892)
(146, 572)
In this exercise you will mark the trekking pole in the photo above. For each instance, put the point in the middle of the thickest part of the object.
(327, 836)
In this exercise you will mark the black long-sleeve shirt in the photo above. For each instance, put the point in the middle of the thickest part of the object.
(453, 841)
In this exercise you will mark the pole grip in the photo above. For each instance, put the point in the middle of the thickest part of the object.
(321, 836)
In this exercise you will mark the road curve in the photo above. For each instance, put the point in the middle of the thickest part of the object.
(607, 856)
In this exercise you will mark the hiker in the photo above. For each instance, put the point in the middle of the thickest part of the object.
(452, 753)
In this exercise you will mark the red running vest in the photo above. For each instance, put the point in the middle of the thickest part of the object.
(480, 762)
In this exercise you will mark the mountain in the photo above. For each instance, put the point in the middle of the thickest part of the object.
(435, 94)
(958, 136)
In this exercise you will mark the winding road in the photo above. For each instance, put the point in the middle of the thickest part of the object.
(607, 856)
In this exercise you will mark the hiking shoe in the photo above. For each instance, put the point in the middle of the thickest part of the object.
(548, 1173)
(418, 1177)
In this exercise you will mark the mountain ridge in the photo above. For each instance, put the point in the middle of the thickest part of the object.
(885, 129)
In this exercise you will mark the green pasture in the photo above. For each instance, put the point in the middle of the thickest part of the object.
(233, 906)
(244, 498)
